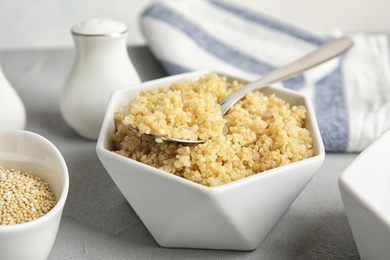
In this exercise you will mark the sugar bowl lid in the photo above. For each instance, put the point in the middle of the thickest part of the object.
(99, 27)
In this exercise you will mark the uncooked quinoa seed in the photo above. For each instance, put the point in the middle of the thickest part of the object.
(264, 131)
(23, 197)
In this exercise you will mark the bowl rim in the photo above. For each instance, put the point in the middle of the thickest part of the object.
(103, 135)
(57, 209)
(345, 182)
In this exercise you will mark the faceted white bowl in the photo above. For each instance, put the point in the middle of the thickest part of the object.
(181, 213)
(34, 154)
(365, 191)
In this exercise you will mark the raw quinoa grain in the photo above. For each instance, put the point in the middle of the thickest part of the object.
(264, 131)
(23, 197)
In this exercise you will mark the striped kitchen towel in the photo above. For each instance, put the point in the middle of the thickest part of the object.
(351, 94)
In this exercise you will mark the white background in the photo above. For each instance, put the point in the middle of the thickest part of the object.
(46, 23)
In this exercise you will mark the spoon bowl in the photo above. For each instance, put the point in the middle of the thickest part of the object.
(324, 53)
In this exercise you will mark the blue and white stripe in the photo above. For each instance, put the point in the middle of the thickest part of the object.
(213, 35)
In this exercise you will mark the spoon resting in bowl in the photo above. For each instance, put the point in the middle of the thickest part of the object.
(322, 54)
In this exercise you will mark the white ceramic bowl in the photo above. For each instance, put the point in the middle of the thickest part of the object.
(365, 191)
(181, 213)
(32, 153)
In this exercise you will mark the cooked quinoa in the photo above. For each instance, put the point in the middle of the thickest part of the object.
(264, 131)
(23, 197)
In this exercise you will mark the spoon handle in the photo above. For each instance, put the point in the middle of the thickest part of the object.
(324, 53)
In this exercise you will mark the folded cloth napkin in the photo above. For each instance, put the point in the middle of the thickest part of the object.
(351, 94)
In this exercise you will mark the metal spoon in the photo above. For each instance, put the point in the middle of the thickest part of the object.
(324, 53)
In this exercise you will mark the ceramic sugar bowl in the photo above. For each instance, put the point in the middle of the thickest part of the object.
(102, 65)
(12, 110)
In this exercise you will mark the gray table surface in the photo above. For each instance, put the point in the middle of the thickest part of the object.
(98, 223)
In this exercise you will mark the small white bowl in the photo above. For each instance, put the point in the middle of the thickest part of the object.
(183, 214)
(32, 153)
(365, 191)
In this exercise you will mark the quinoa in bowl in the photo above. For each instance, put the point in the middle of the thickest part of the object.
(181, 213)
(265, 131)
(23, 197)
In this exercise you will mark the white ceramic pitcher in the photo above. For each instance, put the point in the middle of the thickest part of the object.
(12, 110)
(102, 65)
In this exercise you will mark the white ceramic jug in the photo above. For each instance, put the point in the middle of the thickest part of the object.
(12, 110)
(102, 65)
